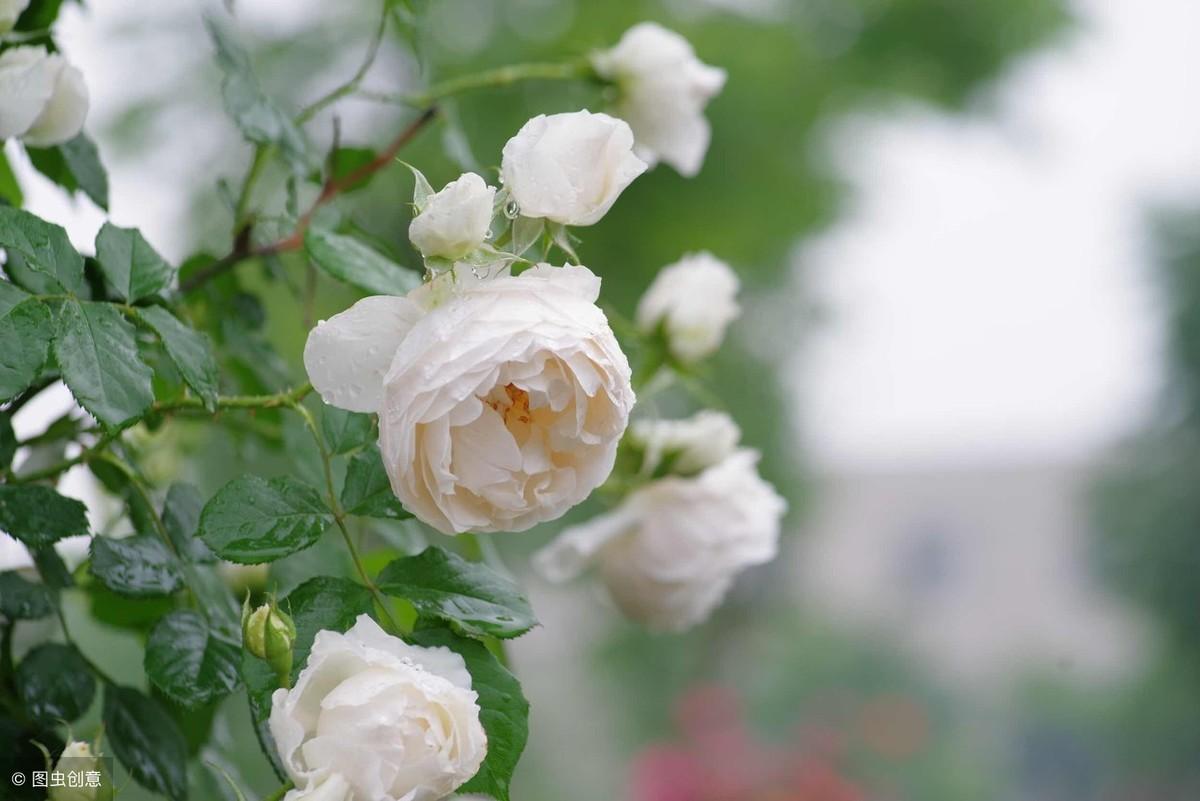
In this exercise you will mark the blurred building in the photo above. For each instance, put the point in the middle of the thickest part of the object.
(981, 569)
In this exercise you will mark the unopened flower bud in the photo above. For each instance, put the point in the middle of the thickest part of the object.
(78, 759)
(269, 634)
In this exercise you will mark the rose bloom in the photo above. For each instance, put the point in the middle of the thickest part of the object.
(694, 300)
(501, 399)
(455, 221)
(43, 99)
(372, 718)
(670, 552)
(570, 168)
(9, 11)
(663, 89)
(685, 446)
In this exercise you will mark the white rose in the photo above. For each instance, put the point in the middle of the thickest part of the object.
(501, 400)
(372, 718)
(671, 551)
(455, 220)
(663, 89)
(695, 300)
(10, 10)
(570, 168)
(43, 99)
(686, 446)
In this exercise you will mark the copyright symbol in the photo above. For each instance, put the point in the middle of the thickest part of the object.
(18, 779)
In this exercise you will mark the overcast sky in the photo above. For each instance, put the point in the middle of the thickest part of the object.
(988, 293)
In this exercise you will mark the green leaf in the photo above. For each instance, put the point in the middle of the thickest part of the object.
(8, 442)
(349, 260)
(181, 518)
(38, 516)
(97, 353)
(321, 603)
(10, 190)
(44, 246)
(471, 597)
(146, 741)
(344, 162)
(138, 566)
(52, 568)
(504, 712)
(344, 431)
(75, 166)
(252, 520)
(25, 332)
(189, 662)
(55, 683)
(189, 349)
(23, 600)
(131, 267)
(367, 491)
(261, 121)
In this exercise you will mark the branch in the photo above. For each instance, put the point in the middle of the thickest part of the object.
(276, 401)
(243, 249)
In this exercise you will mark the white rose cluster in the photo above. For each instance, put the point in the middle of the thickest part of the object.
(670, 552)
(662, 91)
(372, 718)
(693, 300)
(501, 399)
(43, 99)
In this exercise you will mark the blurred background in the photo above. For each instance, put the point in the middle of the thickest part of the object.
(969, 239)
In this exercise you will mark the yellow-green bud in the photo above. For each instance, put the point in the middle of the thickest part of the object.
(269, 634)
(79, 759)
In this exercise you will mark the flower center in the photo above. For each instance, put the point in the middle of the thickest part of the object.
(512, 403)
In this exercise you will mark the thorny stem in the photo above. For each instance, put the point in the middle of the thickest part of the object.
(339, 516)
(278, 400)
(243, 249)
(580, 69)
(280, 793)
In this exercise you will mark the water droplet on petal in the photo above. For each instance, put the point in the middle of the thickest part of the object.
(512, 210)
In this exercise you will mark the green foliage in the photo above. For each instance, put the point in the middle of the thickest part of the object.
(138, 566)
(472, 598)
(23, 600)
(504, 712)
(38, 516)
(344, 431)
(347, 259)
(367, 491)
(75, 166)
(8, 442)
(44, 247)
(190, 662)
(146, 741)
(257, 115)
(253, 520)
(132, 269)
(181, 519)
(55, 683)
(189, 350)
(96, 349)
(25, 331)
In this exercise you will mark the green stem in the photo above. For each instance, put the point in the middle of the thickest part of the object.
(280, 793)
(262, 157)
(276, 401)
(339, 517)
(350, 86)
(579, 69)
